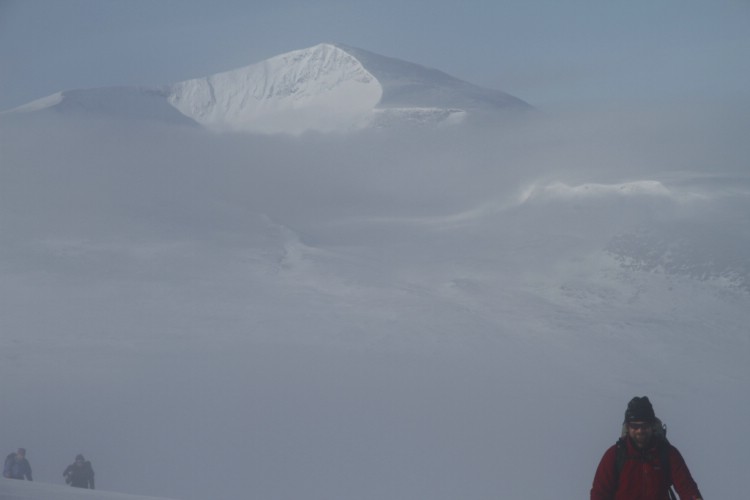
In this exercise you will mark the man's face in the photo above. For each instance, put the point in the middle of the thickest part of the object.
(641, 433)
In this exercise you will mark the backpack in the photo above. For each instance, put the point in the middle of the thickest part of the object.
(79, 476)
(8, 465)
(662, 448)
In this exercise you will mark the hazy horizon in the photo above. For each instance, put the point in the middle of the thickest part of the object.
(581, 54)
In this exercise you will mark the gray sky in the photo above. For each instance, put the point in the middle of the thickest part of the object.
(547, 52)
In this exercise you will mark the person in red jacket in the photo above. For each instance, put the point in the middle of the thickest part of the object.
(643, 465)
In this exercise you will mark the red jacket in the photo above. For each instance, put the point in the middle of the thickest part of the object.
(642, 477)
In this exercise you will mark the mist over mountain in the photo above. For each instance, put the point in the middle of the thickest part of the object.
(396, 312)
(325, 88)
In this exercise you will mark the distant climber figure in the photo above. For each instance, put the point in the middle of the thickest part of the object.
(16, 466)
(80, 474)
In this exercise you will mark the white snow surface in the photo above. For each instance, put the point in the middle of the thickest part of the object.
(325, 88)
(24, 490)
(322, 88)
(560, 190)
(431, 313)
(40, 104)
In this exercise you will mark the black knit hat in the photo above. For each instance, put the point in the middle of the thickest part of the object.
(640, 410)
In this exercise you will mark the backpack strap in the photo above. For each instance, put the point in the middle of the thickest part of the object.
(663, 450)
(620, 458)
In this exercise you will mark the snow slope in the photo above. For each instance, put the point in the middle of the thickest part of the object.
(25, 490)
(395, 314)
(325, 88)
(118, 102)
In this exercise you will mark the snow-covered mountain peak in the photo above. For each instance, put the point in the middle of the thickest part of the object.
(325, 88)
(322, 88)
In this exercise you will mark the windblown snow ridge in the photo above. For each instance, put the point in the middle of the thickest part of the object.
(562, 191)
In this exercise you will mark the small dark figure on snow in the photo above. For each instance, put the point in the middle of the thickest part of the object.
(80, 474)
(643, 464)
(16, 466)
